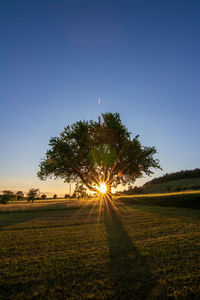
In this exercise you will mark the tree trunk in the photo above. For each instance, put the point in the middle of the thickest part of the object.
(108, 193)
(109, 199)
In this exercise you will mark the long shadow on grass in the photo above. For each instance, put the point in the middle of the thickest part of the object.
(131, 276)
(165, 211)
(8, 219)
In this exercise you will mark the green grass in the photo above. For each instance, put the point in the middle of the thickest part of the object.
(171, 185)
(189, 199)
(134, 252)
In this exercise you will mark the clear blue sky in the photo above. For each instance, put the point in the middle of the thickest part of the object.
(141, 57)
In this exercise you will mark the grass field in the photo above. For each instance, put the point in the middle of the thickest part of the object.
(187, 199)
(81, 251)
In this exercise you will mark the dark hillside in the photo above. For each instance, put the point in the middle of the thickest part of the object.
(184, 174)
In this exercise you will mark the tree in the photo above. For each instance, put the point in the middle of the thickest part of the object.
(67, 196)
(3, 199)
(9, 193)
(99, 154)
(7, 196)
(43, 196)
(80, 191)
(54, 196)
(33, 194)
(19, 195)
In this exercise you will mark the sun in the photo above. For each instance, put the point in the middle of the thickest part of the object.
(102, 188)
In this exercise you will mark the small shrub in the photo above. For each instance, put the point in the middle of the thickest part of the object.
(19, 195)
(6, 197)
(169, 189)
(185, 188)
(195, 187)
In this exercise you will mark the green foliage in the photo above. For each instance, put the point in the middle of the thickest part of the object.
(19, 195)
(102, 155)
(135, 190)
(54, 196)
(43, 196)
(67, 196)
(7, 196)
(80, 191)
(33, 194)
(91, 151)
(8, 193)
(4, 199)
(177, 189)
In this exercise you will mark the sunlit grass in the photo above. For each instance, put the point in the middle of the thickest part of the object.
(44, 204)
(159, 194)
(92, 251)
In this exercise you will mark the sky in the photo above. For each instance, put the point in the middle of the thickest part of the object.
(57, 57)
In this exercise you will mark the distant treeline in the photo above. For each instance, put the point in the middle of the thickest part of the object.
(174, 176)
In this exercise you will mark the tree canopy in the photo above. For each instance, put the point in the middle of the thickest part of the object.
(91, 152)
(19, 195)
(80, 191)
(8, 193)
(33, 194)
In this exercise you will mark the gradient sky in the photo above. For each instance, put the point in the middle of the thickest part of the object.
(57, 57)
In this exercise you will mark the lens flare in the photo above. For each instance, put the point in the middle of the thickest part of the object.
(102, 188)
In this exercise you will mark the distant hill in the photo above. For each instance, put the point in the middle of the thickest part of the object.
(173, 186)
(172, 182)
(184, 174)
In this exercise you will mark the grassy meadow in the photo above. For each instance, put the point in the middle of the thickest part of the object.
(188, 199)
(171, 185)
(85, 250)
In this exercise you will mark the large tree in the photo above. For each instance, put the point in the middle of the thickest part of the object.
(98, 154)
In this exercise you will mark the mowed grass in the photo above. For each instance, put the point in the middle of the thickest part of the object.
(87, 251)
(188, 199)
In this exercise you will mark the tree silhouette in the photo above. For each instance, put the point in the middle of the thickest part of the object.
(19, 195)
(92, 152)
(33, 194)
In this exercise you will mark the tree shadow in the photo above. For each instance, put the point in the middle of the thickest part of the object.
(164, 211)
(132, 278)
(9, 219)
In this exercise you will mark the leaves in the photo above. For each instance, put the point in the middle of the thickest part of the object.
(92, 151)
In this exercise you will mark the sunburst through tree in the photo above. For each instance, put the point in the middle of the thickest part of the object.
(99, 154)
